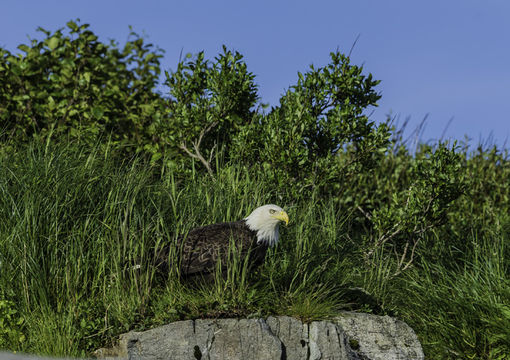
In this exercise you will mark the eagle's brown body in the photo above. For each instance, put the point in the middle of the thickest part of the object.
(200, 250)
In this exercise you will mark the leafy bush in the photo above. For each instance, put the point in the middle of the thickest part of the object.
(319, 136)
(72, 85)
(433, 182)
(11, 324)
(208, 105)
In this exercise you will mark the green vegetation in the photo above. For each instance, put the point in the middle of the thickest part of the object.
(98, 170)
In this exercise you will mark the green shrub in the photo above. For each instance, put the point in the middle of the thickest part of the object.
(209, 104)
(11, 325)
(70, 85)
(319, 136)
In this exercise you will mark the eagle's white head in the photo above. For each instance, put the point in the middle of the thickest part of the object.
(265, 220)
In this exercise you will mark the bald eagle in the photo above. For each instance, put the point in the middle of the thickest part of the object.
(202, 247)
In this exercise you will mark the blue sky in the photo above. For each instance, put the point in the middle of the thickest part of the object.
(445, 59)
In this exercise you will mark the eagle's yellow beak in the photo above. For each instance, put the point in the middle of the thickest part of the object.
(283, 217)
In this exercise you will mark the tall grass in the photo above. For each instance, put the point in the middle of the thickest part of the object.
(72, 219)
(462, 312)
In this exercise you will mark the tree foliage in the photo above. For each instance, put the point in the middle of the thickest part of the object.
(319, 135)
(209, 103)
(71, 85)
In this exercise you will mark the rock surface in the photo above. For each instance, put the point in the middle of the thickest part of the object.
(350, 336)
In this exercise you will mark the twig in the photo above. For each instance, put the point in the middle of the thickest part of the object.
(367, 215)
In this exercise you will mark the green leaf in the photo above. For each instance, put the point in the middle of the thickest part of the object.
(24, 48)
(51, 103)
(97, 112)
(86, 76)
(53, 42)
(72, 25)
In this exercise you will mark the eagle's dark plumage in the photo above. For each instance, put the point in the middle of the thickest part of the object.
(200, 249)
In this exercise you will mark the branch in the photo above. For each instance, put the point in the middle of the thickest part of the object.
(401, 267)
(196, 147)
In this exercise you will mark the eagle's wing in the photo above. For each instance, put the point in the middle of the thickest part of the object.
(204, 246)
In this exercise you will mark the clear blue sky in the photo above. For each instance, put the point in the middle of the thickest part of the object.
(445, 58)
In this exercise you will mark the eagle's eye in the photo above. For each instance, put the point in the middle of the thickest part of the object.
(272, 211)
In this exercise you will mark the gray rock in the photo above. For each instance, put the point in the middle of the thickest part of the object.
(348, 337)
(200, 339)
(293, 334)
(327, 341)
(238, 339)
(380, 337)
